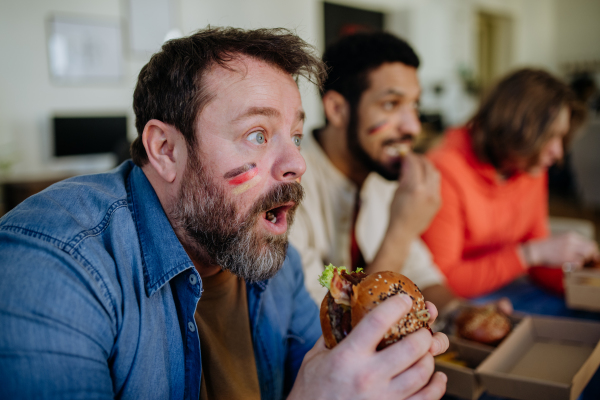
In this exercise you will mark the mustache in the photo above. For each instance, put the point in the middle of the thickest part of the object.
(279, 195)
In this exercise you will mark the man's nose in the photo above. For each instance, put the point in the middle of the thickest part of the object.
(289, 164)
(409, 121)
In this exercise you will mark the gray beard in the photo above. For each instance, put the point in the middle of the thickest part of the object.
(214, 232)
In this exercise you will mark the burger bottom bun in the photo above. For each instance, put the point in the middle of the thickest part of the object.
(330, 340)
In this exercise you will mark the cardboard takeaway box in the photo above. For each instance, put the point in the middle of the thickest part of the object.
(582, 289)
(543, 358)
(462, 380)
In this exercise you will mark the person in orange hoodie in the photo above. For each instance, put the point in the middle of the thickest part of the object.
(492, 227)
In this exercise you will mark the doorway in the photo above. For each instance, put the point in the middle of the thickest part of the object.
(494, 47)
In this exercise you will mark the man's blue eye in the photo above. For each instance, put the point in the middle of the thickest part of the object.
(297, 141)
(257, 136)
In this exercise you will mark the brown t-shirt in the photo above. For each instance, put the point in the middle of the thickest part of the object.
(228, 366)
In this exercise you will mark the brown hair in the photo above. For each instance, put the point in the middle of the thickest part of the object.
(513, 121)
(170, 87)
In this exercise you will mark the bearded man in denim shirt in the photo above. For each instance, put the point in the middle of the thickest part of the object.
(170, 276)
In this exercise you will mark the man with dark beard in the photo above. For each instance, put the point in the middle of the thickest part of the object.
(368, 198)
(170, 276)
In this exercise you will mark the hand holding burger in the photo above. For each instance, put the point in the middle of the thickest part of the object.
(355, 368)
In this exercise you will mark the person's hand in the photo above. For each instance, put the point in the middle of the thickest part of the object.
(558, 250)
(505, 305)
(355, 370)
(417, 198)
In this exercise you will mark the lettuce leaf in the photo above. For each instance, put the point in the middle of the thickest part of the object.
(327, 275)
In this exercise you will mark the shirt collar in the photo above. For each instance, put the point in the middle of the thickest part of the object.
(163, 256)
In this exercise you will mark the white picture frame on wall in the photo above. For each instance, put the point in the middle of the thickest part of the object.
(84, 50)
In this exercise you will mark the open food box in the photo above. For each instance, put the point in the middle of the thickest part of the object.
(582, 289)
(459, 363)
(542, 358)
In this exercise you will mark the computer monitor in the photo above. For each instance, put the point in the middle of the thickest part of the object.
(79, 135)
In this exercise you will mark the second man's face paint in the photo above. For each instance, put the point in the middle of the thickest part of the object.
(243, 178)
(378, 128)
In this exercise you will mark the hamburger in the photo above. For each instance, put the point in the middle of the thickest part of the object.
(486, 325)
(352, 295)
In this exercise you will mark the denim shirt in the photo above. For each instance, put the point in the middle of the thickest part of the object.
(97, 299)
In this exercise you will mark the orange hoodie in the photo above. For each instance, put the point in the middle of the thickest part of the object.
(482, 220)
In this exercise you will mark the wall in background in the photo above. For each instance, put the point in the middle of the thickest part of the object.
(578, 30)
(28, 98)
(443, 32)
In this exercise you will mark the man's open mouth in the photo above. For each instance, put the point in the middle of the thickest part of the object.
(397, 149)
(278, 213)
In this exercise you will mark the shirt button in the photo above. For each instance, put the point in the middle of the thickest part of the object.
(193, 279)
(191, 326)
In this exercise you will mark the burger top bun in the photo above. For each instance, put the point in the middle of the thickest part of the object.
(377, 287)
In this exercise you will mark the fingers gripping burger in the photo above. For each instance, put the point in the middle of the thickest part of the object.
(353, 294)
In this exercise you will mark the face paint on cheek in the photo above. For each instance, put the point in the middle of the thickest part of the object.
(243, 178)
(248, 185)
(378, 128)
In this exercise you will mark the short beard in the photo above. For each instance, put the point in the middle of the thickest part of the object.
(215, 233)
(360, 155)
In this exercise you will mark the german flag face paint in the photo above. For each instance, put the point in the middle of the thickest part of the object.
(243, 178)
(379, 127)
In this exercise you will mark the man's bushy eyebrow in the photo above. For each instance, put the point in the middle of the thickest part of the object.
(268, 112)
(395, 92)
(301, 116)
(252, 111)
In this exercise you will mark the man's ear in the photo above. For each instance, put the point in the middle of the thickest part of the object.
(337, 109)
(165, 147)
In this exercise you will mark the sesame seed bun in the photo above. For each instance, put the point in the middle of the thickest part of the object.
(376, 288)
(367, 295)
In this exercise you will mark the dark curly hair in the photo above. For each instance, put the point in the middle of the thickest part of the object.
(350, 60)
(171, 88)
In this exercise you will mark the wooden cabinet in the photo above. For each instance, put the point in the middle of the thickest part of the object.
(12, 192)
